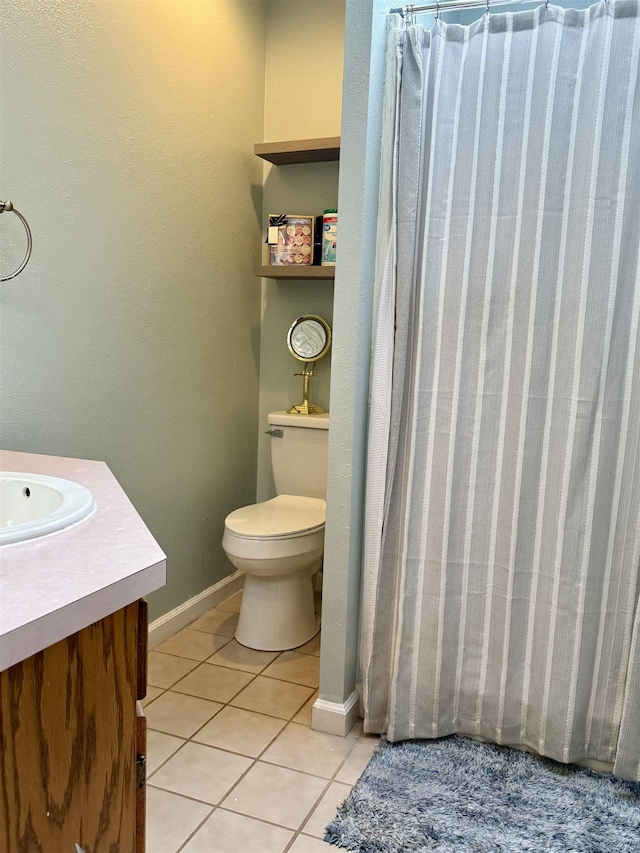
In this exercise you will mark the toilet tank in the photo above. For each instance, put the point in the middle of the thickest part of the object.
(299, 457)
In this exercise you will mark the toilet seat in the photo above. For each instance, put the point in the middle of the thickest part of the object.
(282, 517)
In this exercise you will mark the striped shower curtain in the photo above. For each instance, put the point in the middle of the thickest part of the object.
(502, 538)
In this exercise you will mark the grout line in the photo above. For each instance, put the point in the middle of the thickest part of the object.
(208, 698)
(295, 769)
(180, 794)
(199, 826)
(197, 631)
(333, 779)
(253, 817)
(188, 737)
(307, 817)
(161, 689)
(284, 680)
(168, 758)
(267, 714)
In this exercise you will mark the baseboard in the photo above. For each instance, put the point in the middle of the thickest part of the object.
(166, 626)
(335, 718)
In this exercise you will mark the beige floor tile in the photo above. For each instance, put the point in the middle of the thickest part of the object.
(300, 748)
(177, 714)
(227, 832)
(201, 772)
(276, 794)
(310, 648)
(217, 622)
(356, 730)
(152, 693)
(356, 762)
(326, 809)
(197, 645)
(165, 670)
(240, 731)
(304, 716)
(160, 747)
(276, 698)
(305, 844)
(171, 820)
(213, 682)
(232, 604)
(297, 668)
(236, 656)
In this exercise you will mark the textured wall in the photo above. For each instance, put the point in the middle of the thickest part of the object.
(133, 335)
(365, 40)
(305, 43)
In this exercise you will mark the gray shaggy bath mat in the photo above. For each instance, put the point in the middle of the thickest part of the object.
(454, 795)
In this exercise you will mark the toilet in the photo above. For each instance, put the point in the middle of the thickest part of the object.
(279, 543)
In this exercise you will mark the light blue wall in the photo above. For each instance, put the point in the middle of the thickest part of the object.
(365, 37)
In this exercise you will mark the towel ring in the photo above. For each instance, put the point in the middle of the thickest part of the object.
(6, 206)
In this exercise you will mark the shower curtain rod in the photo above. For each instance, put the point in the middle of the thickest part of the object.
(407, 11)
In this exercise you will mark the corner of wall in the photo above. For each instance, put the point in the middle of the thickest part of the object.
(358, 202)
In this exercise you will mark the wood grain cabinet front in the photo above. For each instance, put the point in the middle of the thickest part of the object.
(70, 740)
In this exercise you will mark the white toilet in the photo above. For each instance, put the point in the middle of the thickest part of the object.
(279, 543)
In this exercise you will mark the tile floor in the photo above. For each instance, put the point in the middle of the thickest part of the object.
(233, 765)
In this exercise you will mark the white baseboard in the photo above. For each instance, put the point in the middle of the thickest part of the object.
(335, 718)
(166, 626)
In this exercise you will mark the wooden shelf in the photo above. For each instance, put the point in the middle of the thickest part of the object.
(299, 150)
(296, 271)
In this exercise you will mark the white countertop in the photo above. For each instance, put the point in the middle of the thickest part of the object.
(56, 585)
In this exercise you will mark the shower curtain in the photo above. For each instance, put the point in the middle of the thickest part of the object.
(502, 531)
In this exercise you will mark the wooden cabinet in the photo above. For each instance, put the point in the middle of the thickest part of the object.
(72, 741)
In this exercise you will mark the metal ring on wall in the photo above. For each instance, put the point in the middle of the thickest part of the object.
(5, 207)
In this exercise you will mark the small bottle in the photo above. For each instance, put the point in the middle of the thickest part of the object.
(329, 237)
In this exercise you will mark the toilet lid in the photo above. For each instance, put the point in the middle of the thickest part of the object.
(285, 515)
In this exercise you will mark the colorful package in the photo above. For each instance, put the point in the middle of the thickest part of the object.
(291, 239)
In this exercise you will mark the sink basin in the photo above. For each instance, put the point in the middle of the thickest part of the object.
(33, 505)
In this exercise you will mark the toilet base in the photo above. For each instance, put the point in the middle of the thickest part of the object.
(278, 611)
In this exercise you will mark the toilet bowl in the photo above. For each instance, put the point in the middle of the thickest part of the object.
(279, 543)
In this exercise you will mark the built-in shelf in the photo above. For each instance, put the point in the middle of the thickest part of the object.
(293, 151)
(296, 271)
(299, 150)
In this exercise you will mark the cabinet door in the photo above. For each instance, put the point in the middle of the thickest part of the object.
(68, 743)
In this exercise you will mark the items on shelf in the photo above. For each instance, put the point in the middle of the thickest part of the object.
(329, 237)
(300, 240)
(291, 239)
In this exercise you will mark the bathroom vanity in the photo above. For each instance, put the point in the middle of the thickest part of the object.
(73, 630)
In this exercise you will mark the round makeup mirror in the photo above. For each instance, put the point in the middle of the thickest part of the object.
(309, 338)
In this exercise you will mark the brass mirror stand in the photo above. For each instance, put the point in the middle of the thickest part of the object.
(306, 407)
(309, 339)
